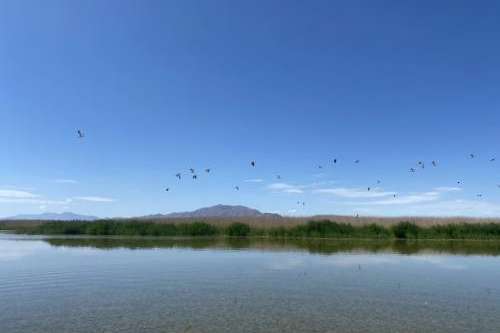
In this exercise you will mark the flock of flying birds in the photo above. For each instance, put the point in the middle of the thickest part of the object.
(253, 164)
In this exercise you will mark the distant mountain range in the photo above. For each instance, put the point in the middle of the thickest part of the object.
(222, 211)
(66, 216)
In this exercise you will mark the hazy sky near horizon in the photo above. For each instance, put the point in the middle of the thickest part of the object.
(163, 86)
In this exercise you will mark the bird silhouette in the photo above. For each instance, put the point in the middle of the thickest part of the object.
(80, 133)
(178, 175)
(356, 161)
(167, 189)
(207, 170)
(195, 177)
(320, 167)
(252, 163)
(237, 188)
(493, 159)
(472, 155)
(191, 169)
(334, 161)
(434, 163)
(459, 182)
(412, 170)
(369, 188)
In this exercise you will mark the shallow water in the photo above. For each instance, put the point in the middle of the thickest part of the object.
(164, 285)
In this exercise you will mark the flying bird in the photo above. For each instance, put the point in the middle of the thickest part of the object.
(207, 170)
(334, 161)
(472, 155)
(459, 182)
(252, 163)
(493, 159)
(434, 163)
(369, 188)
(80, 133)
(412, 170)
(394, 195)
(195, 177)
(237, 188)
(357, 161)
(191, 169)
(278, 177)
(178, 175)
(167, 189)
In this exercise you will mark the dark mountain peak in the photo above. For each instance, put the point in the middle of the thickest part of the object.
(222, 211)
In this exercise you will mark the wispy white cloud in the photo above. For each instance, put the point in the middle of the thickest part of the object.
(406, 199)
(426, 205)
(35, 201)
(95, 199)
(255, 180)
(447, 189)
(460, 207)
(294, 188)
(19, 188)
(319, 183)
(16, 194)
(25, 197)
(66, 181)
(354, 193)
(415, 198)
(285, 188)
(319, 175)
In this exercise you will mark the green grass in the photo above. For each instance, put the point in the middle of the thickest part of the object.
(312, 229)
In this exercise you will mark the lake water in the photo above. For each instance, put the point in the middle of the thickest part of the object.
(160, 285)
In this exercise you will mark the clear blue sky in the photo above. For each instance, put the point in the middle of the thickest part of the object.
(162, 86)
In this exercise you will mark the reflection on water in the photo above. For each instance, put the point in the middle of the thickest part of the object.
(234, 285)
(314, 246)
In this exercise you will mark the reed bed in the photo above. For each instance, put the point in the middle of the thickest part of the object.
(309, 229)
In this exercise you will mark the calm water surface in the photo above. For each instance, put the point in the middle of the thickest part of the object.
(160, 285)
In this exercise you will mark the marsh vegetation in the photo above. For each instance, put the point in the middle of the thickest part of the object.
(310, 229)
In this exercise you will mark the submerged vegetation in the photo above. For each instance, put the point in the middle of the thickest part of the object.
(311, 229)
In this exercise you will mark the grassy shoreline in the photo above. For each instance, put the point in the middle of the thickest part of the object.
(311, 229)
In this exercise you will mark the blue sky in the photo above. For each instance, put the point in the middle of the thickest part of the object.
(163, 86)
